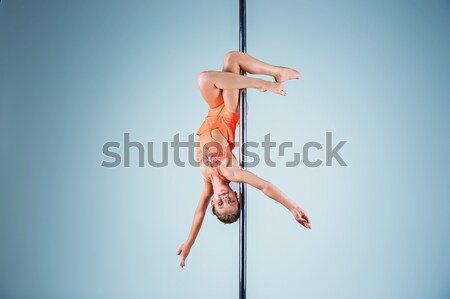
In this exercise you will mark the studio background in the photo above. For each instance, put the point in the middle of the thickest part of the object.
(77, 74)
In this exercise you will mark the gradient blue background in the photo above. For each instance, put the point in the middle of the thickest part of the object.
(76, 74)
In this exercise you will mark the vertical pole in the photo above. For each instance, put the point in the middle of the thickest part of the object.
(242, 162)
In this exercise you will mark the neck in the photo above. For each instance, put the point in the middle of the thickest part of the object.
(217, 181)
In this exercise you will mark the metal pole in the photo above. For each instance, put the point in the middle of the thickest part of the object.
(242, 162)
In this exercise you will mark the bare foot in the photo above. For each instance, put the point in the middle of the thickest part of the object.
(274, 87)
(285, 74)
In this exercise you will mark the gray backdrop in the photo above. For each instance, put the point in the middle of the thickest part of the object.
(77, 74)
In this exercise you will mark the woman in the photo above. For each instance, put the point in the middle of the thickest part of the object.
(217, 163)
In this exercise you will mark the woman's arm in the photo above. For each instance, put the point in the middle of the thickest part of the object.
(237, 174)
(199, 215)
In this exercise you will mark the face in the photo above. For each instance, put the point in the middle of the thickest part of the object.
(225, 201)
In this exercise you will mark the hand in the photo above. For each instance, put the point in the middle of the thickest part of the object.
(272, 86)
(184, 251)
(301, 217)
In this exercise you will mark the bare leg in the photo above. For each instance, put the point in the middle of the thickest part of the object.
(249, 64)
(212, 84)
(231, 96)
(235, 61)
(217, 87)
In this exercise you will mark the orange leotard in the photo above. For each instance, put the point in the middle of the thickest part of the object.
(209, 150)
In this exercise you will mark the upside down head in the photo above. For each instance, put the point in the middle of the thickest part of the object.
(225, 204)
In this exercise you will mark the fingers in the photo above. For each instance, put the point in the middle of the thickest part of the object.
(307, 224)
(302, 218)
(182, 264)
(304, 221)
(307, 219)
(183, 257)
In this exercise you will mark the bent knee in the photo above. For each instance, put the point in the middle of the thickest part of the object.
(230, 57)
(204, 78)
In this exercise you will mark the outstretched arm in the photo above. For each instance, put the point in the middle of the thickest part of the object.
(237, 174)
(199, 215)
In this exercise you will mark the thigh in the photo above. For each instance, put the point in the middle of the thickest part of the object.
(231, 98)
(213, 98)
(210, 93)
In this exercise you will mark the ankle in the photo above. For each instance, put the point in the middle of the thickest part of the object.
(259, 83)
(278, 72)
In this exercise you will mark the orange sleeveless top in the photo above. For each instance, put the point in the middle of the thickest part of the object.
(209, 151)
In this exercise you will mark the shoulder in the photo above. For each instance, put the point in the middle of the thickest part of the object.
(230, 168)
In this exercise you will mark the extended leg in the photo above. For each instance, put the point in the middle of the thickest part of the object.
(235, 60)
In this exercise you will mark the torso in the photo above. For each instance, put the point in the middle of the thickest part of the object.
(216, 142)
(208, 171)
